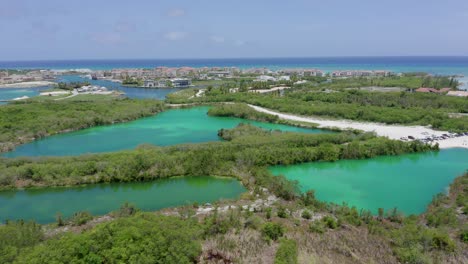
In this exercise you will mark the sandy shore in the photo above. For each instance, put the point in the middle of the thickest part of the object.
(390, 131)
(26, 84)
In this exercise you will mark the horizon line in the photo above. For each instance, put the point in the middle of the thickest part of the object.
(243, 58)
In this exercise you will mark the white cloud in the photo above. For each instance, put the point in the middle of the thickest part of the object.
(217, 39)
(176, 13)
(175, 35)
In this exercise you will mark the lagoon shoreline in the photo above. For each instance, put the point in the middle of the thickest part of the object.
(390, 131)
(26, 84)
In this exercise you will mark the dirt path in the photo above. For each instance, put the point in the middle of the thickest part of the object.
(390, 131)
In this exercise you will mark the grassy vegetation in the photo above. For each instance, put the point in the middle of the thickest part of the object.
(211, 82)
(131, 81)
(143, 238)
(331, 233)
(223, 81)
(22, 122)
(273, 234)
(182, 94)
(296, 228)
(408, 81)
(70, 86)
(401, 100)
(44, 98)
(241, 110)
(245, 156)
(405, 81)
(76, 98)
(390, 108)
(15, 236)
(287, 252)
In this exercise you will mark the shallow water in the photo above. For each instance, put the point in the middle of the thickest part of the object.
(171, 127)
(407, 182)
(11, 93)
(43, 204)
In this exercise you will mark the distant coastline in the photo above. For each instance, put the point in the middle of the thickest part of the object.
(446, 65)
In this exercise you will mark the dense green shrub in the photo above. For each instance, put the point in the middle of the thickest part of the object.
(306, 214)
(25, 121)
(413, 241)
(70, 85)
(144, 238)
(349, 215)
(216, 224)
(125, 210)
(17, 235)
(268, 213)
(272, 231)
(441, 216)
(241, 111)
(390, 108)
(246, 156)
(330, 222)
(464, 236)
(317, 227)
(282, 212)
(80, 218)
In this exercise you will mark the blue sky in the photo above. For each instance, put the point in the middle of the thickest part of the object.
(98, 29)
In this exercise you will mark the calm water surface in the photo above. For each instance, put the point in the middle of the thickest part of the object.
(407, 182)
(11, 93)
(130, 92)
(171, 127)
(43, 204)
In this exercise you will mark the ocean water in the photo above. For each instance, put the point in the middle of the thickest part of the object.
(407, 182)
(435, 65)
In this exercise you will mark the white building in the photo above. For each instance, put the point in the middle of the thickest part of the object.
(266, 78)
(162, 83)
(181, 82)
(219, 74)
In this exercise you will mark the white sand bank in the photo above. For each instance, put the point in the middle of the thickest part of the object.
(390, 131)
(26, 84)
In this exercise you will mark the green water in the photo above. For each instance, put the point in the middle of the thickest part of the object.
(43, 204)
(407, 182)
(171, 127)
